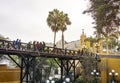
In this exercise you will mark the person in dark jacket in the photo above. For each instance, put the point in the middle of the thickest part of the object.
(34, 45)
(16, 44)
(43, 46)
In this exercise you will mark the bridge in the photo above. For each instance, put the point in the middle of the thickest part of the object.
(28, 53)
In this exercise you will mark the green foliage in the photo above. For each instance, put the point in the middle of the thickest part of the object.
(80, 80)
(53, 20)
(88, 65)
(57, 20)
(105, 14)
(45, 65)
(93, 40)
(96, 80)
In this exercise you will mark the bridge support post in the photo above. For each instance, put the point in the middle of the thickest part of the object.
(61, 70)
(67, 69)
(29, 64)
(34, 67)
(74, 71)
(21, 71)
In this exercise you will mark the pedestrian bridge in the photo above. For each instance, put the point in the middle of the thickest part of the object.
(8, 47)
(28, 52)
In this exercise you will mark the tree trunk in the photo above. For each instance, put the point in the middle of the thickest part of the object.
(54, 38)
(62, 40)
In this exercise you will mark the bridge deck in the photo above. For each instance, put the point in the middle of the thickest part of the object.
(39, 54)
(28, 49)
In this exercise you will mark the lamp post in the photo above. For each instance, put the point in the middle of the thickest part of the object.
(97, 58)
(95, 73)
(50, 80)
(113, 74)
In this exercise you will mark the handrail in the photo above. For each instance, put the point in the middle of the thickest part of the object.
(5, 44)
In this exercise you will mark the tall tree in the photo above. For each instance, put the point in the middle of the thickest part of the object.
(64, 21)
(106, 14)
(54, 22)
(88, 64)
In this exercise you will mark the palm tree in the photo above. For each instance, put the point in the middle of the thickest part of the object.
(53, 21)
(57, 21)
(64, 21)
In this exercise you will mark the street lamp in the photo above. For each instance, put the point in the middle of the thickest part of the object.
(84, 47)
(113, 74)
(67, 80)
(95, 73)
(97, 58)
(50, 80)
(97, 46)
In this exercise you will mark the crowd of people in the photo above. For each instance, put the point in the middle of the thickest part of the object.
(40, 46)
(36, 46)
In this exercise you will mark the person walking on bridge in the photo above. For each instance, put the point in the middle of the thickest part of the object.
(43, 46)
(16, 44)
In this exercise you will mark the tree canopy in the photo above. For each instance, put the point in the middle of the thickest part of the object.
(106, 14)
(53, 21)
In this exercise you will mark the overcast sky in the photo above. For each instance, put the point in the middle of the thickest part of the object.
(26, 19)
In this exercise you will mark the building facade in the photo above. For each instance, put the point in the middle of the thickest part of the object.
(108, 62)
